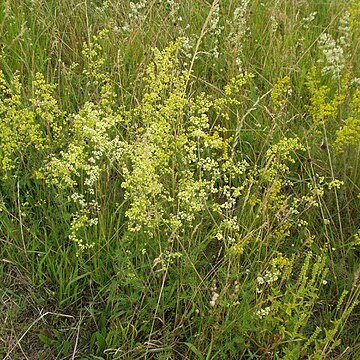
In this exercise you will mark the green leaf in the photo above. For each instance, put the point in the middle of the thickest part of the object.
(195, 351)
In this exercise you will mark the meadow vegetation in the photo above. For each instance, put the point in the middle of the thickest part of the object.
(179, 179)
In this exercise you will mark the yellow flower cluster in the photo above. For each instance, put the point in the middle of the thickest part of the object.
(349, 133)
(280, 93)
(321, 107)
(25, 127)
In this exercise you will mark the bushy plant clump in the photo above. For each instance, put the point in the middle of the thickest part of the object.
(194, 200)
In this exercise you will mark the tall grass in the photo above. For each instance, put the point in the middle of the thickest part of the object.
(179, 179)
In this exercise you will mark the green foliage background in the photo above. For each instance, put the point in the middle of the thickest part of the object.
(179, 179)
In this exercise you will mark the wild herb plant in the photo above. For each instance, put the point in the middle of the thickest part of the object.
(186, 190)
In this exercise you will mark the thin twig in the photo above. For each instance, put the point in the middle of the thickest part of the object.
(202, 34)
(30, 327)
